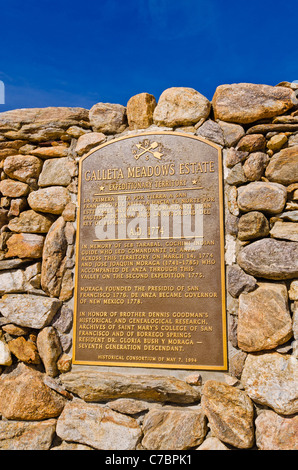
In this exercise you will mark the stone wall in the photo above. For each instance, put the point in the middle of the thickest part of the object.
(45, 402)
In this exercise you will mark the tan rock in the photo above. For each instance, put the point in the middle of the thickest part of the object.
(26, 149)
(272, 380)
(17, 206)
(275, 432)
(12, 144)
(25, 245)
(283, 166)
(212, 443)
(76, 131)
(71, 446)
(285, 231)
(262, 196)
(277, 142)
(244, 103)
(252, 143)
(293, 291)
(31, 222)
(88, 141)
(265, 128)
(236, 361)
(25, 168)
(108, 118)
(25, 397)
(288, 118)
(264, 320)
(52, 199)
(230, 413)
(35, 435)
(194, 379)
(129, 406)
(49, 348)
(55, 172)
(140, 110)
(13, 188)
(67, 285)
(253, 225)
(101, 386)
(15, 330)
(3, 217)
(295, 320)
(50, 152)
(53, 264)
(181, 107)
(25, 351)
(64, 363)
(7, 153)
(98, 427)
(173, 429)
(255, 165)
(69, 212)
(41, 124)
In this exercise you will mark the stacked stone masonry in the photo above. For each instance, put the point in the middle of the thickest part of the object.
(45, 403)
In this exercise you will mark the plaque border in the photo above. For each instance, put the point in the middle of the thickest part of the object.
(223, 367)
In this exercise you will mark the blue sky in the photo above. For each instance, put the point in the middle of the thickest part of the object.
(75, 53)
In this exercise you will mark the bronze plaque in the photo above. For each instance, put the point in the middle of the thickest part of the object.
(150, 288)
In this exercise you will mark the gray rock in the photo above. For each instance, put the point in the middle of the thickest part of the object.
(20, 280)
(98, 427)
(232, 133)
(285, 231)
(29, 310)
(291, 216)
(270, 259)
(236, 175)
(272, 380)
(6, 264)
(5, 356)
(239, 281)
(210, 130)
